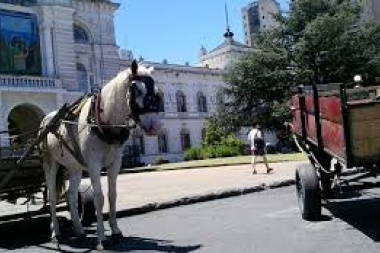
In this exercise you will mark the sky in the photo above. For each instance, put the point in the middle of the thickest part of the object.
(175, 30)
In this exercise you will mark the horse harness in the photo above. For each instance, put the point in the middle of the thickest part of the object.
(108, 133)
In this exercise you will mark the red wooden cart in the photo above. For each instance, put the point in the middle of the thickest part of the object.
(339, 130)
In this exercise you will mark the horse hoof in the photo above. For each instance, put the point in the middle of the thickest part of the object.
(54, 239)
(100, 247)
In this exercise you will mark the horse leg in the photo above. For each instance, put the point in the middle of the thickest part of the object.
(94, 172)
(112, 172)
(50, 169)
(75, 179)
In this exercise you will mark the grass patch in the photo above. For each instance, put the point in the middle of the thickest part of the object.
(227, 161)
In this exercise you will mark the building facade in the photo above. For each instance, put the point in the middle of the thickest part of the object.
(54, 51)
(258, 17)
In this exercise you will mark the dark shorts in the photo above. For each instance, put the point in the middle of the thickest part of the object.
(260, 152)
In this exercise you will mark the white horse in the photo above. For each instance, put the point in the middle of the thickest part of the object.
(130, 95)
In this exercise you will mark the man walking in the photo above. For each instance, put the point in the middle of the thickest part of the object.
(258, 149)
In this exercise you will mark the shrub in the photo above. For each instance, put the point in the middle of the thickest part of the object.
(192, 154)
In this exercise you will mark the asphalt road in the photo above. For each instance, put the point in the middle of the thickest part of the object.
(261, 222)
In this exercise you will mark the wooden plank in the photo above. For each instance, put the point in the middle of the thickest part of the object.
(365, 113)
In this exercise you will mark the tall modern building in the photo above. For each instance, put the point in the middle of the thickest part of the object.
(258, 17)
(371, 10)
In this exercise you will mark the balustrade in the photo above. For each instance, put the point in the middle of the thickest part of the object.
(29, 82)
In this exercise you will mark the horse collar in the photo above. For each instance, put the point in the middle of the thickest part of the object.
(102, 129)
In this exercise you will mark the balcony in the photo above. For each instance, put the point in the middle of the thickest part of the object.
(32, 82)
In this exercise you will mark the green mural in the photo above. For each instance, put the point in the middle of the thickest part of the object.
(19, 44)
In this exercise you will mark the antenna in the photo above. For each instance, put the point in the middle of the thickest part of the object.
(228, 34)
(226, 13)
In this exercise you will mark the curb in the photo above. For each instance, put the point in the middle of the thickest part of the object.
(201, 198)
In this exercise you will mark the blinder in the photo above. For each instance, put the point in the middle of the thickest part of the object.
(150, 100)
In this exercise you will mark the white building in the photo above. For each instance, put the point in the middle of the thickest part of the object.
(52, 52)
(258, 17)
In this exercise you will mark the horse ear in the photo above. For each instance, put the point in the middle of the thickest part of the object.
(134, 67)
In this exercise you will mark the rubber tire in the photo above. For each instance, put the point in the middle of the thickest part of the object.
(308, 192)
(86, 207)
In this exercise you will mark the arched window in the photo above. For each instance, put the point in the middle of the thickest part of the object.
(185, 139)
(202, 102)
(161, 101)
(181, 102)
(138, 141)
(82, 77)
(80, 35)
(162, 142)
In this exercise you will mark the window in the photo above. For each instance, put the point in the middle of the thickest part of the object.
(185, 139)
(162, 143)
(80, 35)
(82, 77)
(138, 141)
(181, 102)
(202, 102)
(161, 101)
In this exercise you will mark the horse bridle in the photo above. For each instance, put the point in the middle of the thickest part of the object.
(150, 100)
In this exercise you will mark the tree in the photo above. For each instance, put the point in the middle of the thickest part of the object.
(255, 83)
(319, 41)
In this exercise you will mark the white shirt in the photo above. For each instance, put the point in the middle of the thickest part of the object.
(251, 137)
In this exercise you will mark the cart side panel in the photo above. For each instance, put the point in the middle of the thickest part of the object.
(333, 138)
(331, 123)
(365, 129)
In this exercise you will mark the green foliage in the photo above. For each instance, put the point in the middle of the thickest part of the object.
(318, 41)
(226, 147)
(215, 132)
(192, 154)
(204, 153)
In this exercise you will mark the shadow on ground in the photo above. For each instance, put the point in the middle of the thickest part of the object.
(360, 209)
(123, 244)
(35, 232)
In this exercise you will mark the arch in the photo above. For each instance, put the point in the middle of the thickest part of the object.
(82, 77)
(24, 120)
(181, 101)
(81, 34)
(162, 140)
(161, 101)
(201, 102)
(185, 139)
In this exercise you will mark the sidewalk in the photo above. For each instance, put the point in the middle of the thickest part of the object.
(143, 192)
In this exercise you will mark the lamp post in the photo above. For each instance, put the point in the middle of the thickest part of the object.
(358, 80)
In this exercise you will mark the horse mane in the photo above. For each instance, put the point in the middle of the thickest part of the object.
(125, 75)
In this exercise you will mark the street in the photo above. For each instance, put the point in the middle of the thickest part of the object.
(261, 222)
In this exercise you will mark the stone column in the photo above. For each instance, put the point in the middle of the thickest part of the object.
(45, 30)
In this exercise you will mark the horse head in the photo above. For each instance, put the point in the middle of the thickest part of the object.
(143, 99)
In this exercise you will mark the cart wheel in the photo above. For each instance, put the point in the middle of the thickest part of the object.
(86, 208)
(308, 192)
